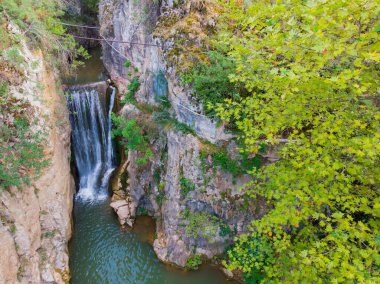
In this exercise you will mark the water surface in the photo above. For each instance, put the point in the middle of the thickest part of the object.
(103, 252)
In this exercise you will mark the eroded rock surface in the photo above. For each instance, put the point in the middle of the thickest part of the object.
(179, 160)
(123, 211)
(35, 222)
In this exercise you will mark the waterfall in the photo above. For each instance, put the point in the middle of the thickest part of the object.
(110, 151)
(91, 141)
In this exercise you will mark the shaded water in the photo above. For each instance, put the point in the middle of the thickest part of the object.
(100, 250)
(92, 71)
(103, 252)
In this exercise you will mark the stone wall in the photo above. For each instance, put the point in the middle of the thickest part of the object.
(35, 222)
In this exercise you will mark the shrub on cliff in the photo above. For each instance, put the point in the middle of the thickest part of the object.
(194, 262)
(40, 25)
(133, 138)
(210, 80)
(21, 148)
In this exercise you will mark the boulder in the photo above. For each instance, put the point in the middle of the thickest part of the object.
(123, 212)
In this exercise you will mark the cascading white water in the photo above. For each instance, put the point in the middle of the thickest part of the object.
(110, 164)
(92, 143)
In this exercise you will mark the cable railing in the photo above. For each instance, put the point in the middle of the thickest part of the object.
(110, 41)
(103, 39)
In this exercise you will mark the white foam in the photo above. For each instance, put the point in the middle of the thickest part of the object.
(89, 194)
(92, 143)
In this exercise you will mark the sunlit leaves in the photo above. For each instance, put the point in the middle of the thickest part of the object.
(312, 68)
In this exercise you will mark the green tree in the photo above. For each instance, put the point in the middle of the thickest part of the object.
(312, 70)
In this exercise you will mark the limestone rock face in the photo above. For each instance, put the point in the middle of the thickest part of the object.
(130, 21)
(134, 22)
(123, 212)
(9, 259)
(178, 156)
(35, 222)
(215, 192)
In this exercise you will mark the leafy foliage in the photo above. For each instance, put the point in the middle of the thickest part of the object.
(186, 186)
(21, 148)
(200, 224)
(142, 211)
(39, 21)
(210, 81)
(194, 262)
(91, 6)
(242, 164)
(225, 230)
(221, 159)
(160, 197)
(133, 86)
(127, 63)
(254, 253)
(311, 68)
(133, 138)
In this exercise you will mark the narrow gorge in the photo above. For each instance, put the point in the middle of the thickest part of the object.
(189, 141)
(101, 251)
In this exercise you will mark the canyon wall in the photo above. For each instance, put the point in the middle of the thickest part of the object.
(35, 222)
(181, 186)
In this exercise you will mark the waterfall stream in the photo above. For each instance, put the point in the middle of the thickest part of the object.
(92, 143)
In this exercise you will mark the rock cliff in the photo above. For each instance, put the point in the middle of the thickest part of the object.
(198, 204)
(36, 219)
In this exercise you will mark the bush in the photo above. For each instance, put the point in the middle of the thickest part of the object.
(225, 230)
(129, 96)
(182, 127)
(200, 224)
(127, 63)
(162, 117)
(132, 138)
(39, 22)
(91, 6)
(186, 186)
(161, 194)
(211, 81)
(21, 149)
(258, 253)
(164, 102)
(220, 158)
(14, 57)
(142, 211)
(194, 262)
